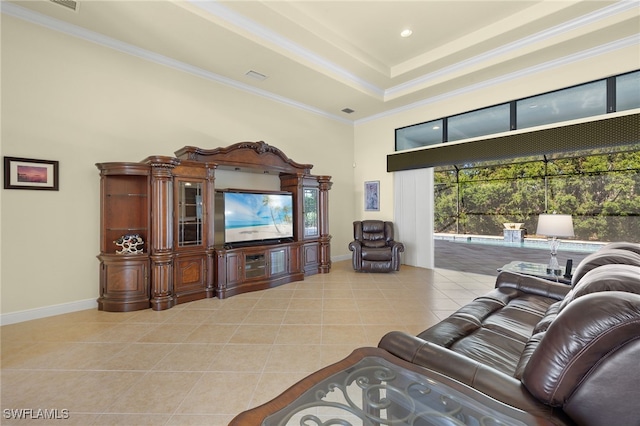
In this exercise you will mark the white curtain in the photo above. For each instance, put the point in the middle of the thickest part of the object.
(413, 215)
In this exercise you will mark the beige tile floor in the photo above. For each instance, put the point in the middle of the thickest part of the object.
(201, 363)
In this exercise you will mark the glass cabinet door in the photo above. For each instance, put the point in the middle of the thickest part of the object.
(310, 213)
(255, 265)
(190, 225)
(277, 262)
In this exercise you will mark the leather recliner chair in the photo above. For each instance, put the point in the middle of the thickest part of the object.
(374, 249)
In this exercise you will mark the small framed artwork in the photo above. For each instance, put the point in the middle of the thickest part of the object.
(372, 195)
(29, 173)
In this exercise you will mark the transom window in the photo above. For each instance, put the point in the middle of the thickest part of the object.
(619, 93)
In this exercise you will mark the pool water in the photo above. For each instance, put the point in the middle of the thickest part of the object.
(534, 243)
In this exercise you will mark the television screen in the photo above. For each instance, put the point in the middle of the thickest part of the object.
(252, 216)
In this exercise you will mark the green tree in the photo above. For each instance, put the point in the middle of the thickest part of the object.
(601, 191)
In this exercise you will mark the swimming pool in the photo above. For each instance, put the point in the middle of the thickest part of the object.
(534, 243)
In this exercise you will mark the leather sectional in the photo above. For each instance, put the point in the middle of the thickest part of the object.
(567, 354)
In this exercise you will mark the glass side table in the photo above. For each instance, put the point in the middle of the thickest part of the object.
(372, 387)
(535, 269)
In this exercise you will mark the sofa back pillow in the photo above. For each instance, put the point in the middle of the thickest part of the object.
(604, 257)
(623, 245)
(373, 233)
(587, 361)
(605, 278)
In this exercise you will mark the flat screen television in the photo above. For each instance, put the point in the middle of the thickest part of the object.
(247, 216)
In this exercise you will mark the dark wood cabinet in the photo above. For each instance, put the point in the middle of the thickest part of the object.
(157, 245)
(312, 229)
(311, 257)
(190, 277)
(124, 282)
(193, 184)
(256, 267)
(125, 229)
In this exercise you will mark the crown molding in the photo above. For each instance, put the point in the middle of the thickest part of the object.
(15, 11)
(566, 60)
(510, 48)
(262, 33)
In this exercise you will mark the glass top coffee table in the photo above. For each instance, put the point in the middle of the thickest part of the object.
(372, 387)
(535, 269)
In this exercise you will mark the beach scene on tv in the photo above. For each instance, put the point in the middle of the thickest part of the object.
(249, 216)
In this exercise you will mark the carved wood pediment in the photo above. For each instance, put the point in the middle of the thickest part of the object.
(246, 156)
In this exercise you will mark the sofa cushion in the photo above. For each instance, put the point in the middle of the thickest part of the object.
(531, 285)
(592, 347)
(514, 322)
(377, 254)
(624, 245)
(373, 233)
(466, 320)
(492, 349)
(377, 266)
(373, 226)
(521, 312)
(492, 329)
(602, 257)
(549, 316)
(529, 349)
(606, 278)
(372, 242)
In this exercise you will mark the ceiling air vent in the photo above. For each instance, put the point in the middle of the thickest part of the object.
(69, 4)
(347, 110)
(256, 75)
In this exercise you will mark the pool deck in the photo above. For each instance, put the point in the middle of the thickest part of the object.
(486, 259)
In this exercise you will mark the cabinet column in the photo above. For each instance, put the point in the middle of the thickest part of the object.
(211, 259)
(325, 239)
(162, 296)
(294, 184)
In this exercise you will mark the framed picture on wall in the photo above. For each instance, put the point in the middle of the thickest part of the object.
(29, 173)
(372, 195)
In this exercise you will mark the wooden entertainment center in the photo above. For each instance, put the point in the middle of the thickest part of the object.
(159, 214)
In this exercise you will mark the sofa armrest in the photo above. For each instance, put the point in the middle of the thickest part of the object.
(396, 246)
(396, 249)
(356, 259)
(532, 285)
(480, 377)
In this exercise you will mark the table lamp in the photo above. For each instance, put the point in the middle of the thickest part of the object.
(554, 226)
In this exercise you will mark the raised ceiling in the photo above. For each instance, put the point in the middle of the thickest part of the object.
(326, 56)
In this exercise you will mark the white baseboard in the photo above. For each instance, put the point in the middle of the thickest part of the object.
(80, 305)
(341, 257)
(47, 311)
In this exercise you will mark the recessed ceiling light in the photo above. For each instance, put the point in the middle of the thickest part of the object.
(435, 127)
(406, 33)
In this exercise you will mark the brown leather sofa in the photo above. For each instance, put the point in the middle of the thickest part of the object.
(569, 355)
(374, 248)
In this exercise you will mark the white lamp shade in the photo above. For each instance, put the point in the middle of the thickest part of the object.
(555, 225)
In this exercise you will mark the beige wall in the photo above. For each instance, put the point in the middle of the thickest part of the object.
(79, 103)
(374, 139)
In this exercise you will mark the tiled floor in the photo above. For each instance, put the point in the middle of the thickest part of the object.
(204, 362)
